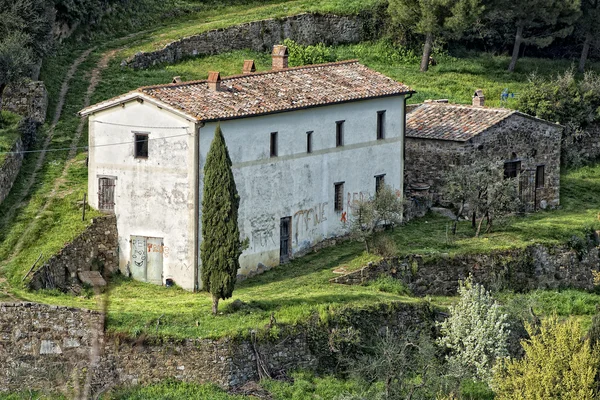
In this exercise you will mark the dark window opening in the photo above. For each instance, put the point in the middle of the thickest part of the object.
(539, 177)
(339, 133)
(512, 169)
(273, 144)
(141, 145)
(380, 124)
(379, 182)
(309, 141)
(339, 196)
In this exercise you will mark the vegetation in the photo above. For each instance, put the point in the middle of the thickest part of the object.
(221, 247)
(475, 333)
(557, 365)
(9, 132)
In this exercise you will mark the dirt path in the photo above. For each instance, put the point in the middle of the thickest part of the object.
(94, 80)
(42, 154)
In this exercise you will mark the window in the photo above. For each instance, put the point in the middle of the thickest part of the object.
(339, 133)
(380, 124)
(379, 182)
(273, 144)
(309, 141)
(106, 193)
(339, 196)
(539, 177)
(141, 145)
(512, 169)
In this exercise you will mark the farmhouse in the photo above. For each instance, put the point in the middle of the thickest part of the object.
(441, 135)
(304, 143)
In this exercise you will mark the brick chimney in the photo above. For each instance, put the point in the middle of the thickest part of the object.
(176, 79)
(280, 57)
(478, 98)
(249, 67)
(214, 81)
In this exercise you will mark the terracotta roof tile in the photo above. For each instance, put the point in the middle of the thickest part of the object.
(451, 121)
(273, 91)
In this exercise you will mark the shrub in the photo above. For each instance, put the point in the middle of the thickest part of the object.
(476, 333)
(307, 55)
(388, 284)
(557, 365)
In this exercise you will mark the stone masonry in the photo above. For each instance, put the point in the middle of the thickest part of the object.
(28, 99)
(9, 169)
(534, 267)
(532, 141)
(306, 29)
(49, 348)
(94, 250)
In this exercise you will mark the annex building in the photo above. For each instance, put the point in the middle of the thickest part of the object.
(304, 142)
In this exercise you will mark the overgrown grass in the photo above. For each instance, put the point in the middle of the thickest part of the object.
(172, 390)
(9, 132)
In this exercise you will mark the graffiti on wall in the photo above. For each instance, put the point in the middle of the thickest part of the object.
(263, 232)
(157, 248)
(306, 221)
(356, 197)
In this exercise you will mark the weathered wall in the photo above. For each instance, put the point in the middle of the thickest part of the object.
(95, 249)
(10, 168)
(29, 100)
(306, 29)
(585, 148)
(534, 143)
(534, 267)
(300, 185)
(154, 196)
(46, 347)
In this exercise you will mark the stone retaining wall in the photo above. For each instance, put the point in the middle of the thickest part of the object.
(306, 29)
(48, 348)
(10, 169)
(96, 249)
(29, 100)
(534, 267)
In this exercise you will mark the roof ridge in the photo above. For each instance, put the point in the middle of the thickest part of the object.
(469, 106)
(238, 76)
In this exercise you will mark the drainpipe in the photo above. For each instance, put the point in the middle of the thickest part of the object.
(196, 235)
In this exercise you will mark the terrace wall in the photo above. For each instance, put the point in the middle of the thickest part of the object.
(52, 348)
(306, 29)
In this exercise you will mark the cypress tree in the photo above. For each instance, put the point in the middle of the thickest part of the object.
(221, 247)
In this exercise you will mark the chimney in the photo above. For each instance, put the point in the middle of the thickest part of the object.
(249, 67)
(176, 79)
(214, 81)
(280, 57)
(478, 98)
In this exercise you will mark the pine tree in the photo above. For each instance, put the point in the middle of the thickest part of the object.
(589, 24)
(221, 247)
(539, 22)
(433, 18)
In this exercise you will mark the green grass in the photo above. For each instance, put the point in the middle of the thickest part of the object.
(172, 390)
(9, 132)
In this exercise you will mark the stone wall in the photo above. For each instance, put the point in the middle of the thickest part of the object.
(534, 142)
(534, 267)
(28, 99)
(10, 169)
(49, 348)
(306, 29)
(93, 250)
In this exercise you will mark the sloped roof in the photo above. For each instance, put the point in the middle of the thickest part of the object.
(268, 92)
(452, 121)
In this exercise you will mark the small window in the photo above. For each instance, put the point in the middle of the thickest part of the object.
(512, 169)
(379, 182)
(380, 124)
(339, 133)
(273, 144)
(309, 141)
(339, 196)
(106, 193)
(141, 145)
(539, 177)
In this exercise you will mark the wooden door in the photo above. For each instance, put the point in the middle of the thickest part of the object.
(285, 233)
(154, 264)
(139, 258)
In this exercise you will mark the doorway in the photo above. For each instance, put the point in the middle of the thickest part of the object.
(285, 239)
(147, 259)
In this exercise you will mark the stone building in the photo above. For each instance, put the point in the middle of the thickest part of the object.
(440, 136)
(304, 142)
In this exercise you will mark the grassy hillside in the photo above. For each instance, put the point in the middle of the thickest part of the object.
(9, 132)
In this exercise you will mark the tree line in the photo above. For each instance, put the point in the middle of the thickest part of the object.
(532, 22)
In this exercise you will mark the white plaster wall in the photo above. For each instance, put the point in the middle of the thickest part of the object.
(301, 185)
(154, 197)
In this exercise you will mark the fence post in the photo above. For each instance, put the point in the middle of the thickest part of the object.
(83, 211)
